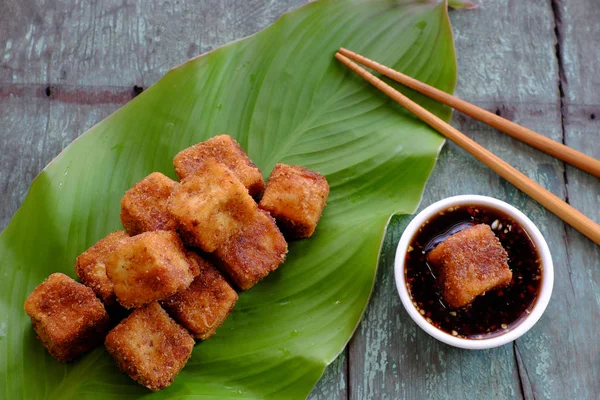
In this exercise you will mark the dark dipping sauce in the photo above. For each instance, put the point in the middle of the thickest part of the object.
(498, 310)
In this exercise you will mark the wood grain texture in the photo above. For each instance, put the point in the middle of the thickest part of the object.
(119, 42)
(576, 302)
(334, 382)
(515, 76)
(67, 64)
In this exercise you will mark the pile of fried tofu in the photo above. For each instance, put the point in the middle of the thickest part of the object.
(186, 247)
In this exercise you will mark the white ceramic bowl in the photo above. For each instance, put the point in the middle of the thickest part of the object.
(540, 243)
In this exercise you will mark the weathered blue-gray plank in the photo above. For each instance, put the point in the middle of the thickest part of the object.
(576, 320)
(67, 64)
(507, 64)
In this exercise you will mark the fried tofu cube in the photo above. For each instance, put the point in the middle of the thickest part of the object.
(254, 252)
(468, 264)
(295, 196)
(211, 206)
(226, 150)
(205, 305)
(91, 270)
(147, 267)
(150, 347)
(67, 316)
(144, 206)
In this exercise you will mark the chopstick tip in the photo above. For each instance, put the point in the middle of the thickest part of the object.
(344, 51)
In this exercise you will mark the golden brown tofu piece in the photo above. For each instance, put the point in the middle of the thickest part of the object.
(211, 206)
(147, 267)
(226, 150)
(150, 347)
(252, 253)
(91, 270)
(468, 264)
(67, 316)
(295, 196)
(144, 206)
(205, 305)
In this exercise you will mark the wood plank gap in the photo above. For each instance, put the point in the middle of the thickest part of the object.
(524, 383)
(78, 94)
(562, 80)
(347, 377)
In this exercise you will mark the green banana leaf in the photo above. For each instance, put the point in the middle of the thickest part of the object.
(282, 95)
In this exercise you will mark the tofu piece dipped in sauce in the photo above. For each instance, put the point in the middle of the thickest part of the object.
(473, 271)
(147, 267)
(226, 150)
(150, 347)
(469, 263)
(295, 196)
(205, 305)
(144, 206)
(67, 316)
(91, 269)
(252, 253)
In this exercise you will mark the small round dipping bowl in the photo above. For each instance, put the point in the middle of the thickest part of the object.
(540, 243)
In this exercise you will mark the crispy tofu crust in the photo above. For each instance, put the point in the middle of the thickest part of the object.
(295, 196)
(254, 252)
(67, 316)
(211, 206)
(205, 305)
(468, 264)
(194, 260)
(150, 347)
(144, 206)
(226, 150)
(147, 267)
(91, 270)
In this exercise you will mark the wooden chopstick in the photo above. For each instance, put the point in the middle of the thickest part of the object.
(534, 139)
(563, 210)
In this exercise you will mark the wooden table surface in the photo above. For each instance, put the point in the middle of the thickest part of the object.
(67, 64)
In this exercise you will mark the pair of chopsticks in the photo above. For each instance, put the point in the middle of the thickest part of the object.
(560, 208)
